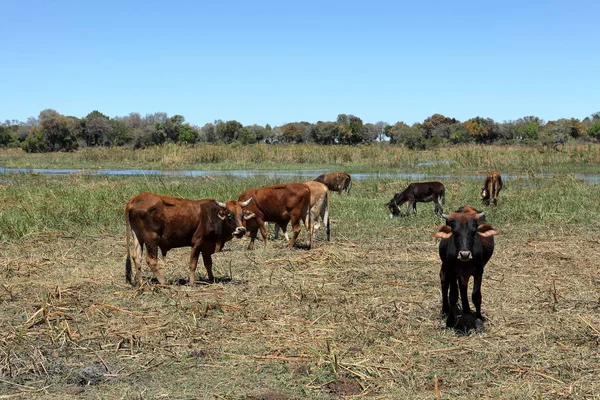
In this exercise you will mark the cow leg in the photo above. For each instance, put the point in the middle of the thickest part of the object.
(263, 231)
(296, 228)
(207, 259)
(276, 231)
(437, 208)
(284, 230)
(476, 296)
(464, 297)
(253, 234)
(194, 254)
(138, 250)
(451, 320)
(411, 206)
(327, 226)
(445, 285)
(152, 260)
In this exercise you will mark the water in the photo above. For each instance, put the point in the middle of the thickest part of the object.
(274, 174)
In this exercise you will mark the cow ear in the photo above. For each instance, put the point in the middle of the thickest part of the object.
(249, 215)
(486, 230)
(443, 232)
(223, 214)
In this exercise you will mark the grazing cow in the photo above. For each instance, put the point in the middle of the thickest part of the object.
(467, 244)
(491, 188)
(165, 223)
(281, 204)
(422, 192)
(336, 181)
(319, 208)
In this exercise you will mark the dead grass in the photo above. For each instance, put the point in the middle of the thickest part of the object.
(348, 319)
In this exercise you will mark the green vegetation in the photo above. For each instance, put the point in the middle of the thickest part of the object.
(357, 316)
(457, 160)
(52, 131)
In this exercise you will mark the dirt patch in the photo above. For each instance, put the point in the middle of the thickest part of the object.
(344, 386)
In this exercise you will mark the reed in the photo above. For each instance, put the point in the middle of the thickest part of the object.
(375, 157)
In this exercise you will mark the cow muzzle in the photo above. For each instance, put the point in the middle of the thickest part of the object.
(239, 232)
(465, 255)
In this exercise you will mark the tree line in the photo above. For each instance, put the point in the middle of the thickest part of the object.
(52, 131)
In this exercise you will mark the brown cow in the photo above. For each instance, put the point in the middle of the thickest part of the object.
(281, 204)
(491, 188)
(165, 222)
(336, 181)
(319, 208)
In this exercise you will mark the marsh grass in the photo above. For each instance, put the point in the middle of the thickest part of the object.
(375, 157)
(357, 317)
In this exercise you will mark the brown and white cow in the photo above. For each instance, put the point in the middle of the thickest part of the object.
(467, 244)
(319, 208)
(280, 204)
(491, 188)
(165, 223)
(336, 181)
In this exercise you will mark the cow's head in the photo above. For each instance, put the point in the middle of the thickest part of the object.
(462, 229)
(233, 215)
(393, 207)
(484, 193)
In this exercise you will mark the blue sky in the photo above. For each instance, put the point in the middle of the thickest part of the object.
(276, 61)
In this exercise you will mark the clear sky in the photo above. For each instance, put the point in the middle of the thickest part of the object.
(286, 61)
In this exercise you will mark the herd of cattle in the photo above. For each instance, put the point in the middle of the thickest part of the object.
(164, 222)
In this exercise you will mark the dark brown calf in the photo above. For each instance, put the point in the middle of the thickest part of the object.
(421, 192)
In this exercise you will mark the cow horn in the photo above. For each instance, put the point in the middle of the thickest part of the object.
(445, 216)
(480, 215)
(222, 205)
(245, 203)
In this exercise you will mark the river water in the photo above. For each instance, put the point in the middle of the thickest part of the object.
(304, 174)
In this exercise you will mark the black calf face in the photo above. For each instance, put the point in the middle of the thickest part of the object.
(463, 233)
(394, 209)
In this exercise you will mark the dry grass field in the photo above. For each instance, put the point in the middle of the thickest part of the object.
(354, 318)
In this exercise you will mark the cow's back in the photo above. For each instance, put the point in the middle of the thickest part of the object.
(168, 221)
(274, 203)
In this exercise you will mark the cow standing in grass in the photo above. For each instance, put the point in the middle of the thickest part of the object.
(319, 208)
(491, 188)
(163, 222)
(282, 204)
(467, 244)
(420, 192)
(336, 181)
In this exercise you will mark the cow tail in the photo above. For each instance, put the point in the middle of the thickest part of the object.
(128, 259)
(349, 185)
(443, 196)
(326, 217)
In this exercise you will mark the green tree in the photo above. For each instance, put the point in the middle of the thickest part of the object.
(119, 134)
(325, 132)
(8, 135)
(350, 129)
(96, 129)
(245, 136)
(225, 131)
(410, 136)
(527, 128)
(187, 134)
(59, 132)
(482, 129)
